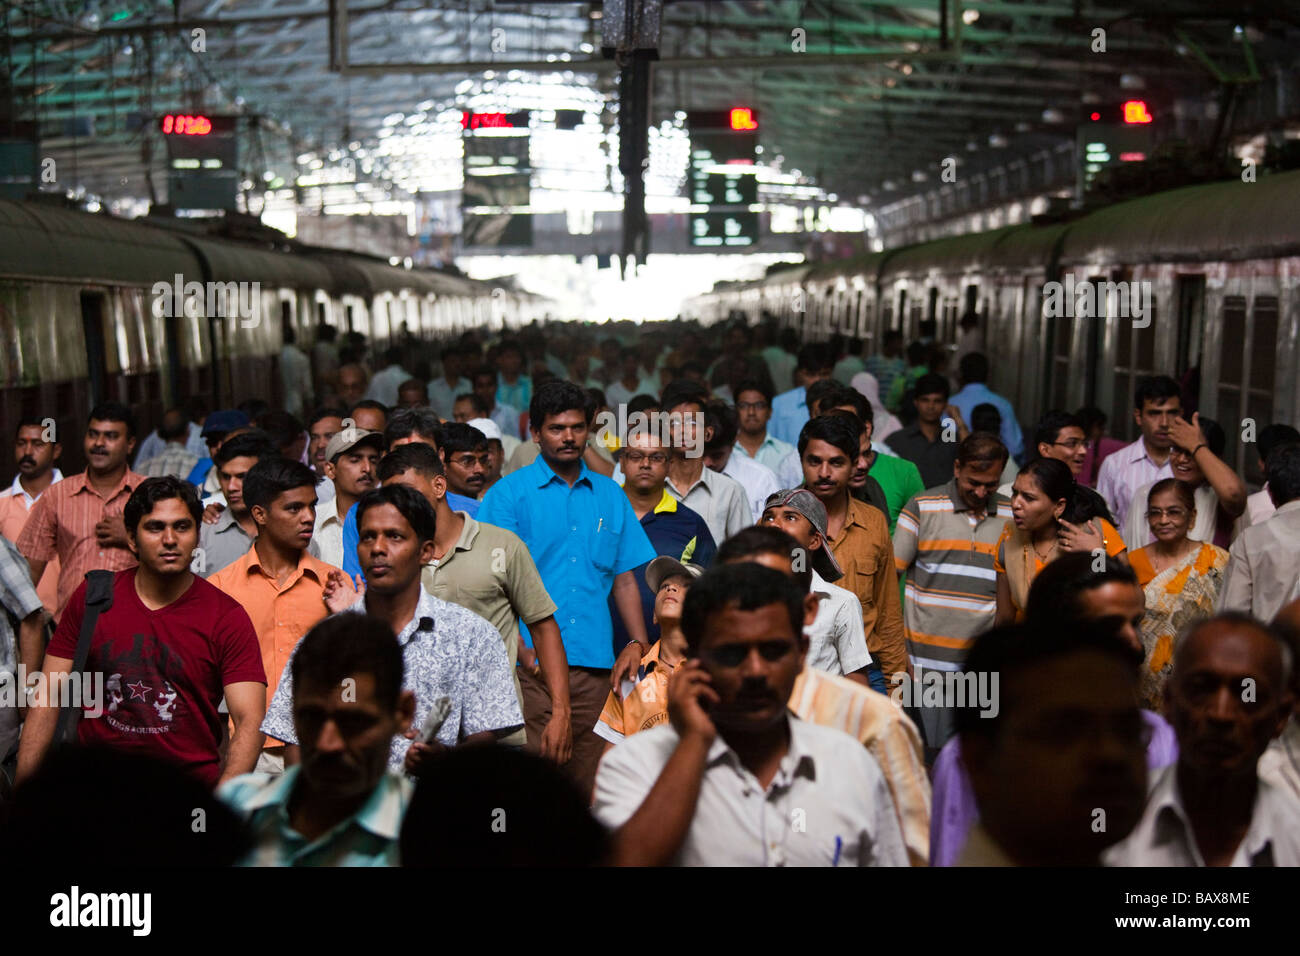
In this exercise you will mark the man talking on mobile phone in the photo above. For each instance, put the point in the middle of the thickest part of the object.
(735, 779)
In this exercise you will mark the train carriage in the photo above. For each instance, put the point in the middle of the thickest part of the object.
(1216, 266)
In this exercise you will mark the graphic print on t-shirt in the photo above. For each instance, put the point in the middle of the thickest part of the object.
(141, 684)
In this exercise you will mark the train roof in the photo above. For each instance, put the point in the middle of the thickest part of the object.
(1217, 221)
(38, 240)
(951, 254)
(236, 262)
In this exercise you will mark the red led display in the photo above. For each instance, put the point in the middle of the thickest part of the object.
(742, 118)
(470, 120)
(1135, 111)
(177, 124)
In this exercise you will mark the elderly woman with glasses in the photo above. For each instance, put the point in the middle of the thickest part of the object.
(1180, 576)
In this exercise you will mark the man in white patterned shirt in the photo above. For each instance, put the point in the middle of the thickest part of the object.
(448, 651)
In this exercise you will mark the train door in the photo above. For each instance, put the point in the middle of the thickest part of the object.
(172, 359)
(94, 306)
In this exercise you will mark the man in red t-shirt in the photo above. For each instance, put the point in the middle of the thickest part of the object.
(162, 656)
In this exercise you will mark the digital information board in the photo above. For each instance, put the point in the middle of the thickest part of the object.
(723, 179)
(202, 160)
(498, 176)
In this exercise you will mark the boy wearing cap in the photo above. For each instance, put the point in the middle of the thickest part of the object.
(351, 458)
(642, 703)
(837, 642)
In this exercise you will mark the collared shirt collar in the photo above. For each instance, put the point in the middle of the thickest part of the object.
(468, 532)
(18, 491)
(545, 474)
(1137, 451)
(328, 512)
(226, 521)
(706, 479)
(427, 608)
(305, 565)
(381, 814)
(1289, 506)
(797, 758)
(857, 509)
(1170, 820)
(667, 504)
(129, 482)
(820, 584)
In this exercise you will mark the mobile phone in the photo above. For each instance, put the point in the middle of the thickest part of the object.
(433, 723)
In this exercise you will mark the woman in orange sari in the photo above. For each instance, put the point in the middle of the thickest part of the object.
(1181, 578)
(1049, 517)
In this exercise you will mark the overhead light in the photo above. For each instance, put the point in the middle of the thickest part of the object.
(1053, 115)
(969, 16)
(997, 141)
(1132, 81)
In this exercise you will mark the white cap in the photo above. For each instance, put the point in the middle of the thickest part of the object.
(487, 426)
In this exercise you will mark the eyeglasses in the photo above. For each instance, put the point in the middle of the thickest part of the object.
(750, 406)
(1074, 444)
(1176, 513)
(733, 655)
(636, 457)
(468, 461)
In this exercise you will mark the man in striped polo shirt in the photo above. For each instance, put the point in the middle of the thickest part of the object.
(944, 546)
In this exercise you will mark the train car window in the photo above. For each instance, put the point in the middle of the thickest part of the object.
(1190, 291)
(932, 309)
(972, 297)
(348, 315)
(11, 368)
(1261, 376)
(902, 312)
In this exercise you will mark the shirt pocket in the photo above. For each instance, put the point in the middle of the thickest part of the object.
(862, 572)
(604, 547)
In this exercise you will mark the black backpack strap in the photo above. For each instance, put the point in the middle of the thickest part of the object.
(99, 598)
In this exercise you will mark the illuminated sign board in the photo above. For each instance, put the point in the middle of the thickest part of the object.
(202, 154)
(473, 121)
(723, 182)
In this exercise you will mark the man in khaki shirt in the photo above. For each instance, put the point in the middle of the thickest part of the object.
(489, 571)
(859, 537)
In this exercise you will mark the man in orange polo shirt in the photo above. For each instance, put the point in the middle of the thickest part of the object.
(79, 519)
(279, 584)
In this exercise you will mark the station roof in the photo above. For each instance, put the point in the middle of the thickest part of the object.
(853, 93)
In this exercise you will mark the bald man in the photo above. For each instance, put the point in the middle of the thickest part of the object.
(1227, 698)
(1280, 764)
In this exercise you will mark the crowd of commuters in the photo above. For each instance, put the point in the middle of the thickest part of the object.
(589, 598)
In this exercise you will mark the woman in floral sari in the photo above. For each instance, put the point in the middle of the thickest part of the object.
(1181, 578)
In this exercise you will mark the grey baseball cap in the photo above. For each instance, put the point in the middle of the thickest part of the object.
(807, 504)
(664, 567)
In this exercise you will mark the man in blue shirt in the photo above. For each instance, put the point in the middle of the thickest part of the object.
(974, 373)
(790, 409)
(586, 540)
(339, 806)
